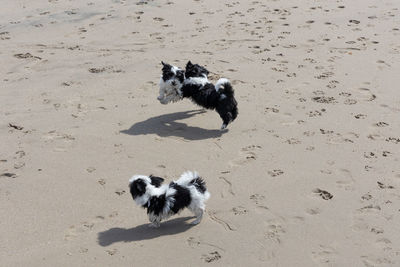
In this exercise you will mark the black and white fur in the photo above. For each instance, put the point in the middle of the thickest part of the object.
(199, 89)
(165, 200)
(170, 83)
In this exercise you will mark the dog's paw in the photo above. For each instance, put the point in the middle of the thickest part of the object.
(195, 222)
(223, 127)
(154, 225)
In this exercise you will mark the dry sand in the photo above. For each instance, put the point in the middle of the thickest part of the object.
(308, 175)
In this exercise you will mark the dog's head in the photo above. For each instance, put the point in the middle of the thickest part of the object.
(195, 70)
(138, 185)
(141, 185)
(170, 83)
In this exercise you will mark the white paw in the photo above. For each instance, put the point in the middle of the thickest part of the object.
(223, 126)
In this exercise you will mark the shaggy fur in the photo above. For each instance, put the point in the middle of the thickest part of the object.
(199, 89)
(162, 201)
(170, 83)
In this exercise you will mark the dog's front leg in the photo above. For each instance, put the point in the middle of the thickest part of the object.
(155, 221)
(199, 215)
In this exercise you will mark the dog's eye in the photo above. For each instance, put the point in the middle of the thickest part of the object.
(167, 75)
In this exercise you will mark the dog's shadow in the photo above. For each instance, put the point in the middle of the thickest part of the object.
(166, 125)
(143, 232)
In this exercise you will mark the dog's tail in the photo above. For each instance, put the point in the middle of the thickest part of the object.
(225, 89)
(224, 86)
(189, 178)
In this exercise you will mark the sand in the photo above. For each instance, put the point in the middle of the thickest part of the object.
(308, 174)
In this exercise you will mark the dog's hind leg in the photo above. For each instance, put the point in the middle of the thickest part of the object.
(199, 215)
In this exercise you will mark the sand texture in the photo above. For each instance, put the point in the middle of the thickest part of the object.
(308, 174)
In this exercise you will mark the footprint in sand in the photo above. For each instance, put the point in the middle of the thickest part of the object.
(211, 257)
(247, 154)
(371, 261)
(315, 113)
(26, 56)
(293, 141)
(271, 109)
(5, 36)
(313, 211)
(332, 84)
(19, 165)
(360, 116)
(324, 99)
(322, 193)
(369, 209)
(63, 141)
(394, 140)
(275, 172)
(8, 175)
(381, 124)
(87, 226)
(274, 231)
(257, 198)
(112, 252)
(324, 254)
(384, 186)
(239, 210)
(350, 102)
(346, 180)
(370, 155)
(107, 69)
(363, 225)
(16, 127)
(195, 243)
(338, 138)
(363, 94)
(120, 192)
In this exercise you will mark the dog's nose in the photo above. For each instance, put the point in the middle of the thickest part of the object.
(173, 83)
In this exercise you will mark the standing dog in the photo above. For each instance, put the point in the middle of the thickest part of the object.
(162, 201)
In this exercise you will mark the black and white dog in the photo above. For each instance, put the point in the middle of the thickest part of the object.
(164, 200)
(193, 83)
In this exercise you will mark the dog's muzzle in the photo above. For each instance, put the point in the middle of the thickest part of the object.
(162, 100)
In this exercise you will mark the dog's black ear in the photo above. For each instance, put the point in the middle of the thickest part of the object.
(162, 62)
(156, 181)
(189, 64)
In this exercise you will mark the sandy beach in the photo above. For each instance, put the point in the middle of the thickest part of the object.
(307, 175)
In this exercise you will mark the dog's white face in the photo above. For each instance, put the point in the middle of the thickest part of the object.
(169, 91)
(171, 82)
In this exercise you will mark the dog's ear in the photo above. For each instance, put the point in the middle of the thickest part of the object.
(156, 181)
(162, 62)
(189, 64)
